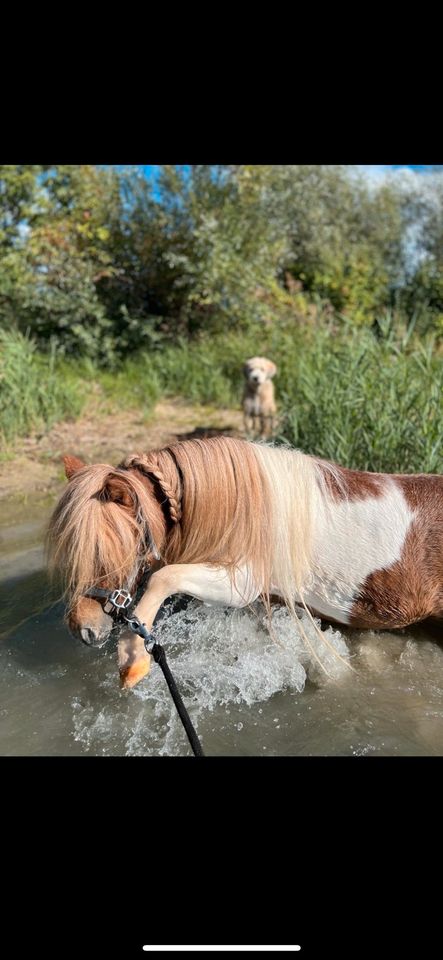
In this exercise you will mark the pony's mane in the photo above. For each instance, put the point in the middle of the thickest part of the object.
(92, 537)
(218, 501)
(236, 502)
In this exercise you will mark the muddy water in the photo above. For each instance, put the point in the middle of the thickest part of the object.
(247, 693)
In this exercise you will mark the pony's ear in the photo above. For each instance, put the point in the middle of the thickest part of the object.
(72, 464)
(116, 489)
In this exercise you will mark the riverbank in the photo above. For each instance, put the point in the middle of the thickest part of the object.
(34, 466)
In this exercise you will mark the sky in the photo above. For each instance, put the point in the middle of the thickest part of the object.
(375, 172)
(378, 171)
(372, 169)
(385, 167)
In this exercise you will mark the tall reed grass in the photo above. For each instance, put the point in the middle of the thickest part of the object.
(369, 400)
(35, 390)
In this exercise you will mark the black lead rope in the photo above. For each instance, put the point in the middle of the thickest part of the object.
(157, 651)
(123, 601)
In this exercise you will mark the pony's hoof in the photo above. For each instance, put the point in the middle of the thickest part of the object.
(132, 675)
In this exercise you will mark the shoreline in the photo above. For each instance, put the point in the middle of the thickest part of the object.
(34, 468)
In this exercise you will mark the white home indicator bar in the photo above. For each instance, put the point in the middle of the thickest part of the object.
(268, 949)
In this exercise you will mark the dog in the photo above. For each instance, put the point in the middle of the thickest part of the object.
(259, 408)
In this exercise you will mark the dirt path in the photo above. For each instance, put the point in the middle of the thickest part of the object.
(36, 467)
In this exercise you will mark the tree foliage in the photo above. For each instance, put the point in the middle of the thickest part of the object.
(95, 262)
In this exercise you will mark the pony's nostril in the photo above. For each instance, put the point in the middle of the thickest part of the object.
(87, 635)
(94, 639)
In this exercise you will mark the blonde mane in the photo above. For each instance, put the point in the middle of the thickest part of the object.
(93, 535)
(221, 503)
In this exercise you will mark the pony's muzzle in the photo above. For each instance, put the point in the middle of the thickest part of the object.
(88, 622)
(92, 639)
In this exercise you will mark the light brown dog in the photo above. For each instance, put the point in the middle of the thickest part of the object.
(259, 406)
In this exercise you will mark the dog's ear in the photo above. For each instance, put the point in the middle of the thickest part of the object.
(272, 369)
(246, 368)
(72, 465)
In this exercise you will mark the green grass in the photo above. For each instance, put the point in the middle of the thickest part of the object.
(366, 402)
(34, 390)
(131, 385)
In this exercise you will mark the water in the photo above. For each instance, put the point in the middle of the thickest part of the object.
(247, 693)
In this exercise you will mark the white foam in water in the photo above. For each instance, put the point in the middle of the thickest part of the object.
(219, 656)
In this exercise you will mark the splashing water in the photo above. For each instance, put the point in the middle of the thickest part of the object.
(248, 694)
(219, 657)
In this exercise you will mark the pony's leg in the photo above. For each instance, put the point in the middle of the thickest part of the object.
(206, 583)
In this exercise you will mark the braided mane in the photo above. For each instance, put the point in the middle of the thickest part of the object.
(161, 466)
(218, 501)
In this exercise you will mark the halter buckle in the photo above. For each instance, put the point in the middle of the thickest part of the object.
(121, 599)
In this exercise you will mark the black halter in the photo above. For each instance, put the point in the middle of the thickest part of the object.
(120, 602)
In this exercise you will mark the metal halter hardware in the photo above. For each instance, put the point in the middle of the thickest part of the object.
(121, 599)
(136, 626)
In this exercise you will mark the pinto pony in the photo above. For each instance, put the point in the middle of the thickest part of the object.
(227, 521)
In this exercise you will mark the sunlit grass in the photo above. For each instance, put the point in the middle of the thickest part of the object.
(366, 401)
